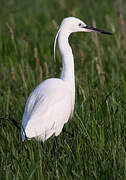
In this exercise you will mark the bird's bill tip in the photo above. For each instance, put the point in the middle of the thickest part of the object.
(97, 30)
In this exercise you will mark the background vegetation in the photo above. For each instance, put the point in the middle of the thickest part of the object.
(93, 144)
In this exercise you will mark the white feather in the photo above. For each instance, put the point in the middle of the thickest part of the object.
(45, 109)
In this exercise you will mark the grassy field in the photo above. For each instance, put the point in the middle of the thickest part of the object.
(93, 144)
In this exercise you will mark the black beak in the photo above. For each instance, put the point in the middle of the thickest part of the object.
(97, 30)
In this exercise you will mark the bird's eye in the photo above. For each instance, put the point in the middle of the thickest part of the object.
(80, 24)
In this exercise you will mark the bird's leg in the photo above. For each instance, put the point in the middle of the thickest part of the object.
(24, 145)
(10, 119)
(54, 146)
(43, 146)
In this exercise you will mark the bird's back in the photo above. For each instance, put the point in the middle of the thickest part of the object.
(47, 109)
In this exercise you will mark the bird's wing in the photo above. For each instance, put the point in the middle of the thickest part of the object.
(46, 107)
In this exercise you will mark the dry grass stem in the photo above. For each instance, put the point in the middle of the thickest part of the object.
(55, 25)
(96, 40)
(100, 72)
(12, 78)
(123, 28)
(23, 76)
(82, 56)
(10, 29)
(36, 58)
(46, 69)
(38, 66)
(98, 59)
(25, 40)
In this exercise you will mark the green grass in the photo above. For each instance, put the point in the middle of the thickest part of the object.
(93, 144)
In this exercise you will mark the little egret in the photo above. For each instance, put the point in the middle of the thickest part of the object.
(51, 104)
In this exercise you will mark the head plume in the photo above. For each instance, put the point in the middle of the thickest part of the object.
(55, 44)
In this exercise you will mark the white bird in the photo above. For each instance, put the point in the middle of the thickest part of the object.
(51, 104)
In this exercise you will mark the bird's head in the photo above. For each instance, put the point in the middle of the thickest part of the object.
(72, 24)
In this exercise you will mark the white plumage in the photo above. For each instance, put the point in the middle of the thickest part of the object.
(45, 112)
(51, 104)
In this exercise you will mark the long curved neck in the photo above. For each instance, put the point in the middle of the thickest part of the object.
(67, 73)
